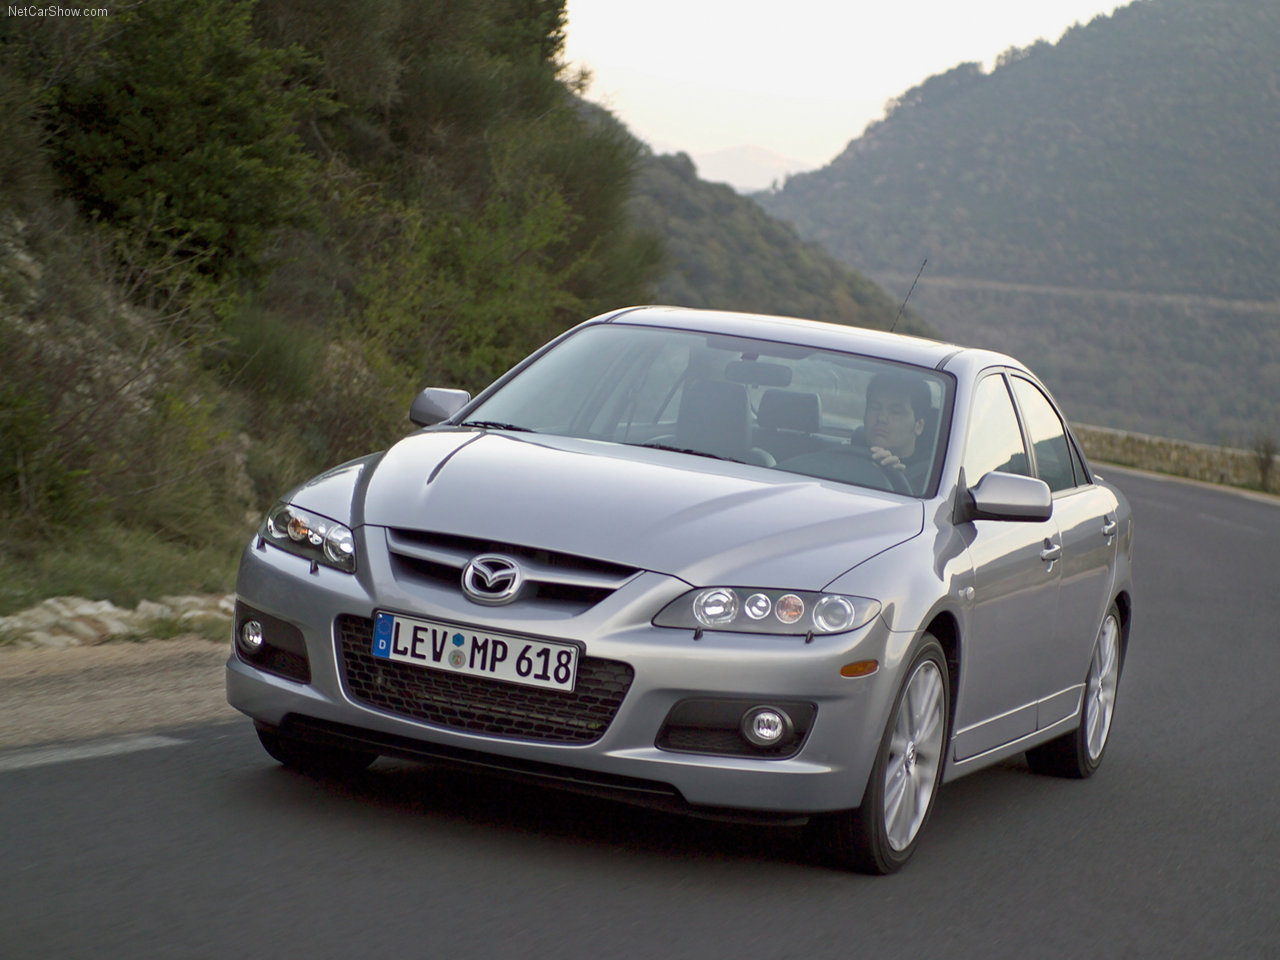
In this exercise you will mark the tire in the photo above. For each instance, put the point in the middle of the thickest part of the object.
(1078, 754)
(312, 758)
(882, 833)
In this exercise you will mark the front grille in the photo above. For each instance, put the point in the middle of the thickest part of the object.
(478, 705)
(566, 581)
(579, 597)
(469, 546)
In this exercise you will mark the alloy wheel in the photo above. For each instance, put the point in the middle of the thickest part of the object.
(1104, 675)
(915, 753)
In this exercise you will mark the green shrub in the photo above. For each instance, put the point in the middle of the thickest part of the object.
(262, 352)
(176, 120)
(123, 565)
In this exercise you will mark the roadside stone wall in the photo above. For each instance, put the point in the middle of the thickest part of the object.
(1195, 461)
(74, 621)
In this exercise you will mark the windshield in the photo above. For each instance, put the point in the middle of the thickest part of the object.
(819, 413)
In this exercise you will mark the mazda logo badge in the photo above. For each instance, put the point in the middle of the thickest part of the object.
(491, 578)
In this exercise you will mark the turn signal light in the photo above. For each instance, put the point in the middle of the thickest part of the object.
(863, 668)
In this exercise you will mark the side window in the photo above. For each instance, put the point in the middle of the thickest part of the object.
(1077, 464)
(1048, 437)
(995, 440)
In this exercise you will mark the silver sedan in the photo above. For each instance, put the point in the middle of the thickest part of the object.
(737, 566)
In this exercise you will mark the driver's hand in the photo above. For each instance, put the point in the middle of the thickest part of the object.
(887, 459)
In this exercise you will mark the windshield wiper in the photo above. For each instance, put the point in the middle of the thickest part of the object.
(496, 425)
(688, 450)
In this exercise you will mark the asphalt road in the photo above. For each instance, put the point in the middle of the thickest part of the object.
(191, 843)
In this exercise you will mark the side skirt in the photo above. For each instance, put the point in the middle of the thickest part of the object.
(958, 768)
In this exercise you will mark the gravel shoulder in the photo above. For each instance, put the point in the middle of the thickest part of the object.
(76, 693)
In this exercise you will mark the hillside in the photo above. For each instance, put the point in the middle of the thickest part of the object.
(724, 251)
(1136, 156)
(1137, 153)
(1194, 368)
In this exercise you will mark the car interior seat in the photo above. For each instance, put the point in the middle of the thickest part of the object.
(715, 417)
(788, 422)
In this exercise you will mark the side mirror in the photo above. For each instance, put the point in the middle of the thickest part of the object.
(1009, 496)
(435, 404)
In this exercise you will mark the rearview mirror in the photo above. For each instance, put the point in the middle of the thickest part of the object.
(756, 373)
(435, 404)
(1009, 496)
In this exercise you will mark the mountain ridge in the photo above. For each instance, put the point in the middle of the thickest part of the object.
(747, 167)
(1136, 153)
(1106, 208)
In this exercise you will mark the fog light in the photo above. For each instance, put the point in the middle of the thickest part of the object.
(766, 726)
(251, 636)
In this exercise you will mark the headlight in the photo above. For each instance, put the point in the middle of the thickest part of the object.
(752, 610)
(310, 535)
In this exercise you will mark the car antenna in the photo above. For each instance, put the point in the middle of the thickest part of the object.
(908, 296)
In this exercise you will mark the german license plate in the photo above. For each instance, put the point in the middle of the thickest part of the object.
(457, 649)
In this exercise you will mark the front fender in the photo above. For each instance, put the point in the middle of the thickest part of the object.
(916, 580)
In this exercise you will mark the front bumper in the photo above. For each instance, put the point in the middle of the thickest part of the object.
(669, 666)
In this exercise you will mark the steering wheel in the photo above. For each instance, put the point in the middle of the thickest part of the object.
(897, 478)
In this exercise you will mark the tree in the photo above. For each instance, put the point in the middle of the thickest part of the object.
(177, 119)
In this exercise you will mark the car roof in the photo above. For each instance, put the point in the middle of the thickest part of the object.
(901, 348)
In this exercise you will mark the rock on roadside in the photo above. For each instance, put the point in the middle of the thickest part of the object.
(61, 622)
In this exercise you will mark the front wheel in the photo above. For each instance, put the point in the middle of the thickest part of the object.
(1079, 753)
(881, 834)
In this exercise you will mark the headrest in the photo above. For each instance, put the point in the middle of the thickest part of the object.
(790, 410)
(714, 416)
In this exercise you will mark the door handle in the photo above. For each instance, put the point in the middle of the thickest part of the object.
(1109, 526)
(1051, 552)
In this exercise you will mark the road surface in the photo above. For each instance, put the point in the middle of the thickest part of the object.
(164, 840)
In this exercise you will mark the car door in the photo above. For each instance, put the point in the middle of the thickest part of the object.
(1010, 620)
(1086, 519)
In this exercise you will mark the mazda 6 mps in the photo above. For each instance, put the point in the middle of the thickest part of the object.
(737, 566)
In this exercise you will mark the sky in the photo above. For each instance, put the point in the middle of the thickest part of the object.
(799, 78)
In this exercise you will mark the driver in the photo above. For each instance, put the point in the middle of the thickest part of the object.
(897, 407)
(887, 448)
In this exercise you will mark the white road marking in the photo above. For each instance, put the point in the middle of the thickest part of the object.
(44, 756)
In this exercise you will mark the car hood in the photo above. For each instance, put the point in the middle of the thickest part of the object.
(702, 520)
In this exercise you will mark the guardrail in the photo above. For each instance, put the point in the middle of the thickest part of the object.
(1196, 461)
